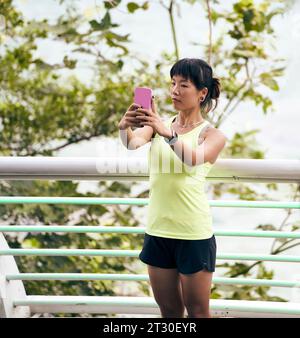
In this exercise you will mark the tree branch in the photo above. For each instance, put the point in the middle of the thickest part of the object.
(289, 212)
(170, 11)
(209, 31)
(286, 248)
(222, 117)
(83, 138)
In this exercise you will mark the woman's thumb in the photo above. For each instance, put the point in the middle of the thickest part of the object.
(153, 104)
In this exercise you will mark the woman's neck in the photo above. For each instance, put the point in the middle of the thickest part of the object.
(189, 117)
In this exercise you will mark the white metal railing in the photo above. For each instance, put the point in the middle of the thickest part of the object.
(136, 168)
(13, 299)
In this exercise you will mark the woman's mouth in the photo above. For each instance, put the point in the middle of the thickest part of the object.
(175, 100)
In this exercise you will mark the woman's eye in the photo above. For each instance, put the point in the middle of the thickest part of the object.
(181, 86)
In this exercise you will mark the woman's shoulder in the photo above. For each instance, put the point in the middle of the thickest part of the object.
(211, 131)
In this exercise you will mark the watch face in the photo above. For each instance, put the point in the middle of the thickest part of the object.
(173, 140)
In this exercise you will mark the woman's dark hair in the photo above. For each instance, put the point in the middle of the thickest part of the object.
(200, 73)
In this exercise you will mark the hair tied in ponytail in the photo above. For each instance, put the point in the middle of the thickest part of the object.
(215, 88)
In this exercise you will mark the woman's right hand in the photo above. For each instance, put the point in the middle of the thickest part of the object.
(129, 118)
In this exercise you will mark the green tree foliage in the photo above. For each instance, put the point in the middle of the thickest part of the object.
(42, 111)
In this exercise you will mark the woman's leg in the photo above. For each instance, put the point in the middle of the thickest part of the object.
(196, 288)
(166, 287)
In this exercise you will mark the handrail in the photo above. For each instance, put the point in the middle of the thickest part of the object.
(144, 277)
(138, 230)
(147, 305)
(136, 169)
(135, 253)
(140, 201)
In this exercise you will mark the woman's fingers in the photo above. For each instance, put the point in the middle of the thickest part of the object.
(143, 118)
(134, 106)
(153, 105)
(143, 111)
(131, 113)
(131, 118)
(133, 121)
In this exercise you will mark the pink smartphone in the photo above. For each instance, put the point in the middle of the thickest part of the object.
(143, 96)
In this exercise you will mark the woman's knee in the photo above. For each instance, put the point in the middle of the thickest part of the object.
(170, 304)
(199, 315)
(196, 311)
(172, 311)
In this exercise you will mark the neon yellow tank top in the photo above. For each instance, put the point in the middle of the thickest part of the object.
(178, 205)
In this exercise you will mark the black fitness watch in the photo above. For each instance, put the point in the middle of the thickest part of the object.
(173, 139)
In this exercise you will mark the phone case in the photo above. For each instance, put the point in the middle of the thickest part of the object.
(143, 96)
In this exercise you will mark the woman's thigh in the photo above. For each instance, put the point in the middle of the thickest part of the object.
(196, 290)
(166, 287)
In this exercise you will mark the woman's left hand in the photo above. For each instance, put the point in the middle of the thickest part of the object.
(150, 117)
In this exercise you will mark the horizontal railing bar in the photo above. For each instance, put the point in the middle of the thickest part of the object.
(143, 178)
(137, 168)
(70, 252)
(135, 253)
(141, 201)
(72, 228)
(258, 233)
(144, 277)
(73, 200)
(138, 230)
(149, 302)
(256, 204)
(76, 276)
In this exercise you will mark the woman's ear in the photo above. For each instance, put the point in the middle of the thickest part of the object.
(203, 93)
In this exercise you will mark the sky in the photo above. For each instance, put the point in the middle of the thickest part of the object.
(150, 33)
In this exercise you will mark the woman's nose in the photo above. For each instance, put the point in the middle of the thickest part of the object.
(175, 91)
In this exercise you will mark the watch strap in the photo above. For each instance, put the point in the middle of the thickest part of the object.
(173, 139)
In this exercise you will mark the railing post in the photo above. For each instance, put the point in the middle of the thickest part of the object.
(10, 290)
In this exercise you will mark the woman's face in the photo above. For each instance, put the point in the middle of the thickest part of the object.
(184, 93)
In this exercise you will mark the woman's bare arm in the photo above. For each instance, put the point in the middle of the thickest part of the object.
(207, 151)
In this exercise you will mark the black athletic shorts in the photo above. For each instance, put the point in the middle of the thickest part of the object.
(188, 256)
